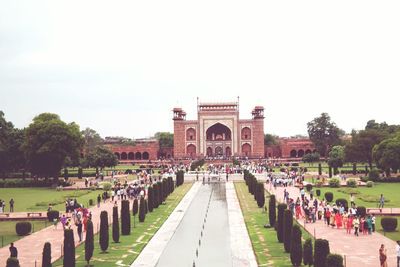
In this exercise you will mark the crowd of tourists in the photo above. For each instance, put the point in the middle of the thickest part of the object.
(3, 205)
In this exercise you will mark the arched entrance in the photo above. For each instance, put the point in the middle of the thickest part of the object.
(300, 153)
(228, 151)
(293, 153)
(145, 155)
(138, 155)
(218, 132)
(246, 150)
(219, 151)
(191, 150)
(124, 156)
(209, 151)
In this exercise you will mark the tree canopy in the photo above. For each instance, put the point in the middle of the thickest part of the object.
(165, 139)
(336, 157)
(270, 139)
(101, 157)
(387, 154)
(49, 142)
(324, 133)
(92, 139)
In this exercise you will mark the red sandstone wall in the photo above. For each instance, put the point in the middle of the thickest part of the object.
(258, 138)
(179, 139)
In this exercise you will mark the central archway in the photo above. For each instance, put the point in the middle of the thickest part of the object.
(218, 132)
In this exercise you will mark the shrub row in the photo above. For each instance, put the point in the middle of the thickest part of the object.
(180, 178)
(255, 188)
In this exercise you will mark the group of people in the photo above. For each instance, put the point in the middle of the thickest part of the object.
(3, 205)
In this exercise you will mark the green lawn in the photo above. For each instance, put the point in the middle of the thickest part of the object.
(392, 235)
(38, 199)
(130, 246)
(368, 196)
(269, 252)
(7, 231)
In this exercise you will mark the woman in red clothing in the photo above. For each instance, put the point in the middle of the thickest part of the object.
(349, 224)
(338, 219)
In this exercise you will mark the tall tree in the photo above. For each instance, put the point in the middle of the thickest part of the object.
(387, 154)
(270, 139)
(49, 142)
(324, 133)
(101, 157)
(165, 139)
(89, 242)
(91, 140)
(336, 158)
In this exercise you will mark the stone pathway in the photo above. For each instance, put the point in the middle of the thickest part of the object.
(357, 251)
(30, 247)
(241, 247)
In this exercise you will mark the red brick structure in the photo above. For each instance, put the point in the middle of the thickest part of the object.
(141, 150)
(218, 132)
(290, 148)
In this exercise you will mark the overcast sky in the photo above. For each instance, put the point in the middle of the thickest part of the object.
(120, 67)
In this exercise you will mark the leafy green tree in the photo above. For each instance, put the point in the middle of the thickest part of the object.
(69, 248)
(104, 236)
(49, 142)
(91, 140)
(387, 154)
(89, 242)
(336, 158)
(311, 157)
(46, 255)
(296, 249)
(270, 139)
(324, 133)
(165, 139)
(101, 157)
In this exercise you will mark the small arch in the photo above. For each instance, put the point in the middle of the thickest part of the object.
(308, 151)
(124, 156)
(228, 151)
(246, 133)
(131, 155)
(191, 150)
(314, 151)
(190, 134)
(145, 155)
(117, 155)
(138, 155)
(209, 151)
(219, 151)
(293, 153)
(300, 153)
(246, 149)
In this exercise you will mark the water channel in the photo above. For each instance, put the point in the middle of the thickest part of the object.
(202, 238)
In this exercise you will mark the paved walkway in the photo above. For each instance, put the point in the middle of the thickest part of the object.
(153, 250)
(357, 251)
(241, 248)
(30, 248)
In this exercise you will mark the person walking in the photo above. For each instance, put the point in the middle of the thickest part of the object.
(356, 223)
(352, 203)
(98, 201)
(398, 253)
(13, 251)
(383, 256)
(11, 205)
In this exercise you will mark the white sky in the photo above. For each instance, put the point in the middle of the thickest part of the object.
(120, 67)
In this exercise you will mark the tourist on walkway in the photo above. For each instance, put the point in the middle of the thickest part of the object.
(382, 256)
(356, 223)
(352, 203)
(11, 205)
(98, 201)
(13, 251)
(373, 219)
(381, 202)
(79, 229)
(398, 253)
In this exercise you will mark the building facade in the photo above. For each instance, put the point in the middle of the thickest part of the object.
(218, 132)
(290, 148)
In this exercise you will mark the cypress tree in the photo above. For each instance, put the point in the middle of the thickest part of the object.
(295, 246)
(12, 262)
(308, 253)
(160, 193)
(272, 210)
(150, 198)
(261, 196)
(103, 237)
(115, 225)
(125, 218)
(46, 255)
(89, 241)
(155, 193)
(279, 232)
(165, 189)
(142, 214)
(135, 209)
(330, 172)
(321, 251)
(146, 207)
(80, 173)
(319, 169)
(69, 248)
(287, 229)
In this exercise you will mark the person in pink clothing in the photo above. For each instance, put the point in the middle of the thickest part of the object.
(338, 219)
(349, 224)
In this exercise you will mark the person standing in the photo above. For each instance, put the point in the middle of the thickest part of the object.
(352, 203)
(373, 219)
(13, 251)
(98, 201)
(382, 256)
(79, 230)
(11, 205)
(356, 224)
(381, 202)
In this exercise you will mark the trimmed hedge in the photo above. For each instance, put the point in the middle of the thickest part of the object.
(279, 232)
(321, 251)
(334, 260)
(23, 228)
(115, 225)
(69, 248)
(53, 214)
(104, 235)
(180, 178)
(12, 262)
(272, 210)
(287, 229)
(318, 192)
(334, 182)
(89, 242)
(361, 211)
(309, 187)
(260, 195)
(389, 224)
(46, 255)
(370, 184)
(142, 211)
(295, 246)
(125, 218)
(308, 258)
(351, 183)
(329, 196)
(342, 201)
(150, 198)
